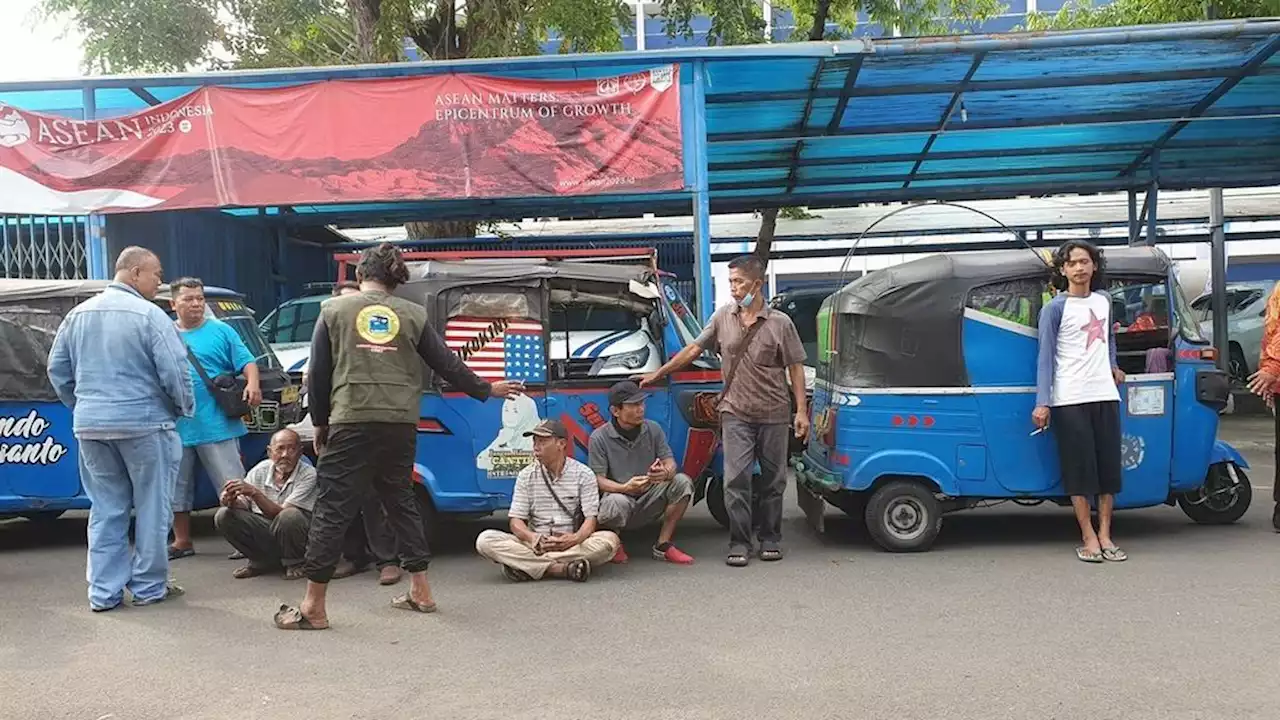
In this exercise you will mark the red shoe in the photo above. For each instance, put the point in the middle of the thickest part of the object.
(673, 554)
(620, 557)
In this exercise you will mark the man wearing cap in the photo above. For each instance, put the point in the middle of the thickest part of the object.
(553, 516)
(636, 472)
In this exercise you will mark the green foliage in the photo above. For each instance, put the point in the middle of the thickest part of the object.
(1083, 14)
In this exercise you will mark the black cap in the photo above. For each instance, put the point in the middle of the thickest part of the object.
(625, 393)
(549, 428)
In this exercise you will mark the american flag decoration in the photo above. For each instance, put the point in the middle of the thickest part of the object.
(499, 348)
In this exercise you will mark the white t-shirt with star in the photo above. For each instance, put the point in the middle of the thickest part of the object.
(1082, 358)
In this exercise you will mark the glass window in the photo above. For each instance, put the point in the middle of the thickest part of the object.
(306, 323)
(1018, 301)
(253, 339)
(283, 330)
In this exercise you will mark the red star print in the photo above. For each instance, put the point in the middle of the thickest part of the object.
(1095, 329)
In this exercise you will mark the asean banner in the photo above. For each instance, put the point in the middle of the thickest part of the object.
(422, 138)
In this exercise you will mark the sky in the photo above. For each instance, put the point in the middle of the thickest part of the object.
(32, 49)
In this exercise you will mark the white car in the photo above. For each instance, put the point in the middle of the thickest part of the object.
(1246, 306)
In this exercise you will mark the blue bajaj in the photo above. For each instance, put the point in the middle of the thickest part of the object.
(39, 460)
(926, 383)
(569, 329)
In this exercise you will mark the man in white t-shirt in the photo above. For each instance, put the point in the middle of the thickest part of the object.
(1077, 387)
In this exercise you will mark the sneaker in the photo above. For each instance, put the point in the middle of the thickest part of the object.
(673, 554)
(171, 590)
(620, 557)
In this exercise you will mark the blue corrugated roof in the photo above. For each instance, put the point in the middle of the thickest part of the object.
(886, 119)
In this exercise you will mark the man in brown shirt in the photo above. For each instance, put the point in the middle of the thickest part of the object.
(759, 347)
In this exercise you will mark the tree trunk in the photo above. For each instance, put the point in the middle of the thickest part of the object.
(365, 14)
(769, 217)
(441, 230)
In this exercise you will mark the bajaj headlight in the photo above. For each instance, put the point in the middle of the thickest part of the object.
(633, 360)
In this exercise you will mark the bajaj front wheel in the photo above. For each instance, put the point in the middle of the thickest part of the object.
(904, 516)
(1223, 499)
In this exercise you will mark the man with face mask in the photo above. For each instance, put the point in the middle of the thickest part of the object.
(760, 349)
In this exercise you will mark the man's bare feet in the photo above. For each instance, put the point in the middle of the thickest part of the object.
(317, 616)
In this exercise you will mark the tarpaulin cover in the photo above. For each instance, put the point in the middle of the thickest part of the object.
(419, 138)
(903, 326)
(26, 337)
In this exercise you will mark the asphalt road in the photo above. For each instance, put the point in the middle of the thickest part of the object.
(998, 621)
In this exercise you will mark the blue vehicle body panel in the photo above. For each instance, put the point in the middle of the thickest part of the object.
(39, 455)
(1224, 453)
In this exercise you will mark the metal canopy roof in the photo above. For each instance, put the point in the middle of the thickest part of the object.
(874, 120)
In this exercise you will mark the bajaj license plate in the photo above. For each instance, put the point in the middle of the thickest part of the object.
(289, 395)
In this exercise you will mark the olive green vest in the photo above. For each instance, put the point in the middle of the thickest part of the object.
(377, 372)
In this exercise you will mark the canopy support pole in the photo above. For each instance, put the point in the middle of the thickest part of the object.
(98, 265)
(1153, 197)
(694, 123)
(1218, 275)
(1133, 215)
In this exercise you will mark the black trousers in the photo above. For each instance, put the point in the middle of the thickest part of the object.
(370, 540)
(1275, 485)
(1089, 447)
(360, 459)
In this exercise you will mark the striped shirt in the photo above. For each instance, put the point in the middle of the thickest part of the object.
(532, 501)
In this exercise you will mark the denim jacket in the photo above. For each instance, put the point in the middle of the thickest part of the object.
(120, 365)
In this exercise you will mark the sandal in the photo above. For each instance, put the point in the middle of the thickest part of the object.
(404, 602)
(177, 553)
(736, 558)
(171, 589)
(770, 553)
(578, 570)
(515, 575)
(247, 571)
(1084, 555)
(1114, 554)
(291, 618)
(294, 573)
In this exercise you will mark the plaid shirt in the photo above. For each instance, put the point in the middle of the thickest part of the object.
(533, 503)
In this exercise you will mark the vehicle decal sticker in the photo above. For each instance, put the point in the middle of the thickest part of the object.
(606, 345)
(510, 451)
(1133, 450)
(582, 351)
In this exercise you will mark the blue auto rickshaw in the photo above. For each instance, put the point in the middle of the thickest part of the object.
(926, 383)
(569, 329)
(39, 462)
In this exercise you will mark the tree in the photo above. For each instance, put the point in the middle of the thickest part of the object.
(1083, 14)
(176, 35)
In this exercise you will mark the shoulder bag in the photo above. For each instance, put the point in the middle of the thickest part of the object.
(745, 357)
(578, 517)
(227, 389)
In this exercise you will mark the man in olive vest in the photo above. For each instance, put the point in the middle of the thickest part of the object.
(365, 383)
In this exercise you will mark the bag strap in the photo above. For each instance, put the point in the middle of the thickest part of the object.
(746, 356)
(195, 362)
(547, 481)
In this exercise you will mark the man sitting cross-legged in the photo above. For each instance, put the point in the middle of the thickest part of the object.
(267, 515)
(636, 472)
(553, 516)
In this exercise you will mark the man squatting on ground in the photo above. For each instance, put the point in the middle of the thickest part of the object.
(1076, 388)
(636, 472)
(366, 383)
(760, 350)
(552, 516)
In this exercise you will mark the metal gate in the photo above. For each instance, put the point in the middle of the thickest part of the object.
(43, 247)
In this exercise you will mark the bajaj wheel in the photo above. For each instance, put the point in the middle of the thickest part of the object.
(1224, 498)
(715, 501)
(904, 516)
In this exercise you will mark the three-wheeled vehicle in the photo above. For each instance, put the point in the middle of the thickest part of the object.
(528, 317)
(926, 383)
(39, 464)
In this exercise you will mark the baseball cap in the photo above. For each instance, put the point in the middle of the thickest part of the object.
(624, 393)
(548, 428)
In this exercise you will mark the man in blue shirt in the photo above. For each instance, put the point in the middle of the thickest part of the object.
(118, 363)
(209, 436)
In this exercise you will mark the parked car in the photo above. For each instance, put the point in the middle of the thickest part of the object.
(1246, 306)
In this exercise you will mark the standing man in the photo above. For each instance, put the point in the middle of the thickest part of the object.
(209, 436)
(118, 363)
(636, 472)
(553, 516)
(1266, 381)
(366, 383)
(267, 515)
(1077, 383)
(759, 348)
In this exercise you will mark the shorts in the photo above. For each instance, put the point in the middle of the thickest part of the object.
(1089, 447)
(221, 462)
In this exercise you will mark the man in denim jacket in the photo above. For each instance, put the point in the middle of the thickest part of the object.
(120, 366)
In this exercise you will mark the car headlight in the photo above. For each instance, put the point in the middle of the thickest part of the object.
(633, 360)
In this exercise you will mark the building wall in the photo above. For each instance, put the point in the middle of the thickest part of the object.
(246, 255)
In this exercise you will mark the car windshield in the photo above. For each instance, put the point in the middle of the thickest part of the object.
(803, 311)
(248, 331)
(292, 322)
(588, 318)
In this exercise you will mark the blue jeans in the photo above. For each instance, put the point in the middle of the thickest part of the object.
(121, 476)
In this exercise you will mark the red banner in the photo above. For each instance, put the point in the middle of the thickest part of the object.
(422, 138)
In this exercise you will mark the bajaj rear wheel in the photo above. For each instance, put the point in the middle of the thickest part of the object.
(1224, 498)
(715, 501)
(904, 516)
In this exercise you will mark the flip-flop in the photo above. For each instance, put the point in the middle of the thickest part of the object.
(1084, 555)
(178, 553)
(1114, 554)
(404, 602)
(291, 618)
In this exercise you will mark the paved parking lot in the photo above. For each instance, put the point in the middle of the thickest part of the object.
(998, 621)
